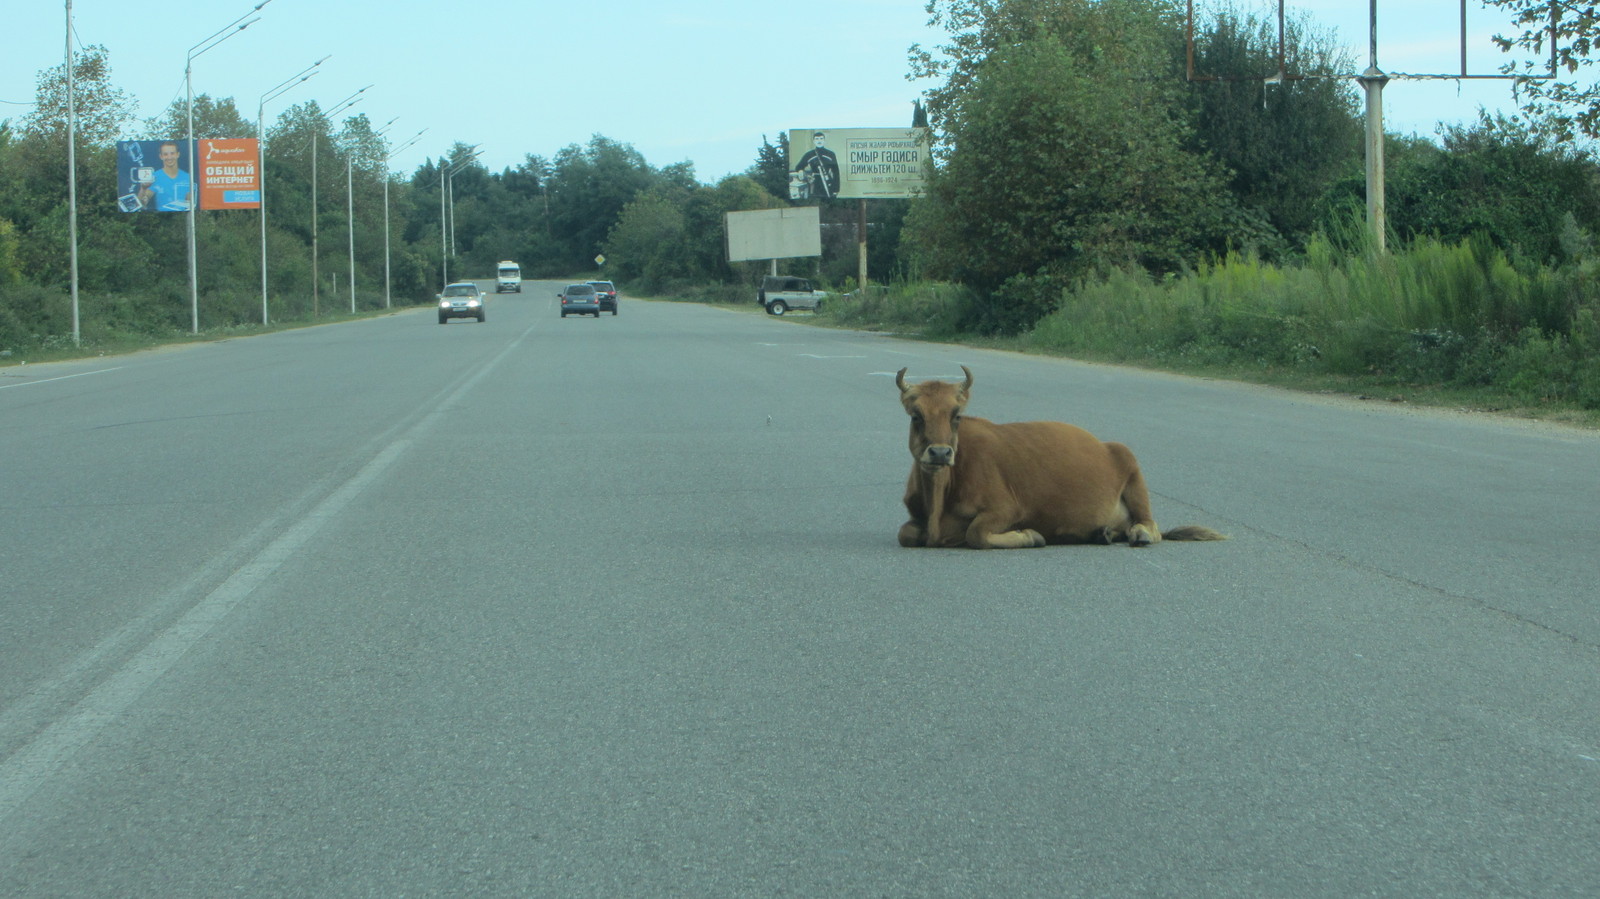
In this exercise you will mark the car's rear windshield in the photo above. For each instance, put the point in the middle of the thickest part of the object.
(602, 285)
(580, 289)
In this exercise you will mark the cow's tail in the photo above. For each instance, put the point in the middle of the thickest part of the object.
(1192, 532)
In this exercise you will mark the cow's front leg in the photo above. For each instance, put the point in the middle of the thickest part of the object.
(914, 533)
(985, 533)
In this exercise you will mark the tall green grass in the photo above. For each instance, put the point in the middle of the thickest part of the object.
(1439, 314)
(932, 310)
(1433, 314)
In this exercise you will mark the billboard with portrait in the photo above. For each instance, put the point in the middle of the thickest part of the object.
(856, 163)
(154, 175)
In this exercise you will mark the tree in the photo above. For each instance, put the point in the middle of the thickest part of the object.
(1565, 33)
(1284, 144)
(771, 168)
(213, 118)
(10, 273)
(674, 232)
(589, 188)
(1059, 154)
(1496, 181)
(644, 245)
(100, 110)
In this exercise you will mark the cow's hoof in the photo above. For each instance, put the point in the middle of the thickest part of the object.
(911, 535)
(1139, 535)
(1035, 536)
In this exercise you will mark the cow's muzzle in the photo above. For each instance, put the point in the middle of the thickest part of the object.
(938, 456)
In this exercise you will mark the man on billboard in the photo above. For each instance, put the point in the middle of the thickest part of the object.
(168, 191)
(818, 171)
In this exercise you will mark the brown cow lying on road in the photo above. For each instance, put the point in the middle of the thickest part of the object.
(1018, 485)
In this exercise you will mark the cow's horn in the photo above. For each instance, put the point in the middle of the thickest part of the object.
(900, 380)
(967, 386)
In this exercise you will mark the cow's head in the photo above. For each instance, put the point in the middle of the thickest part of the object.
(935, 410)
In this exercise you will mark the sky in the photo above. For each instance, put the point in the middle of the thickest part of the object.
(702, 81)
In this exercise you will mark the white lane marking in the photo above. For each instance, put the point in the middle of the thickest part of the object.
(26, 770)
(81, 374)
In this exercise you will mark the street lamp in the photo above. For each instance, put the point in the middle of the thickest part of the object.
(316, 287)
(414, 139)
(230, 30)
(72, 180)
(305, 74)
(447, 236)
(350, 207)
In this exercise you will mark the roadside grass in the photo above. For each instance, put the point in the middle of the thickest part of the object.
(100, 337)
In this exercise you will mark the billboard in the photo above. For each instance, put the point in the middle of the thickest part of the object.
(228, 176)
(856, 163)
(774, 233)
(154, 175)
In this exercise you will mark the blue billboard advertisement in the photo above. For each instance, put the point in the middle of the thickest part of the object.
(153, 176)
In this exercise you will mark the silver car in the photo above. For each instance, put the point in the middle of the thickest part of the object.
(462, 299)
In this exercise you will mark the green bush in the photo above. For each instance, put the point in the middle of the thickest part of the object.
(928, 309)
(1440, 314)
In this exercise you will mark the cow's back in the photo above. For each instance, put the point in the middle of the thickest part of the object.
(1067, 482)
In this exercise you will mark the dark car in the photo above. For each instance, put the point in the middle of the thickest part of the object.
(462, 299)
(580, 299)
(608, 295)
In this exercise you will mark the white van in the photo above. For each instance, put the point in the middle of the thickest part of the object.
(508, 278)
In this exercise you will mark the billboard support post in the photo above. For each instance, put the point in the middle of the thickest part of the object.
(861, 243)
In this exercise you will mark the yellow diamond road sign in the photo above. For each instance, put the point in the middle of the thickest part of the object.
(600, 259)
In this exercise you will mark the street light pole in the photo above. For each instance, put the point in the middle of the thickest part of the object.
(316, 286)
(453, 173)
(193, 198)
(350, 219)
(72, 179)
(305, 74)
(387, 304)
(446, 226)
(350, 207)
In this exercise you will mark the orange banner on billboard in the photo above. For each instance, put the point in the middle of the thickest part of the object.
(228, 174)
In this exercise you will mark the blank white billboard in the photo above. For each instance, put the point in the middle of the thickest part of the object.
(774, 234)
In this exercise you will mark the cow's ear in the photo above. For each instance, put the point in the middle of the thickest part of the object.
(900, 380)
(966, 389)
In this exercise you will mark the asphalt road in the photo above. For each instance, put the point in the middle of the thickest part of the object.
(614, 607)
